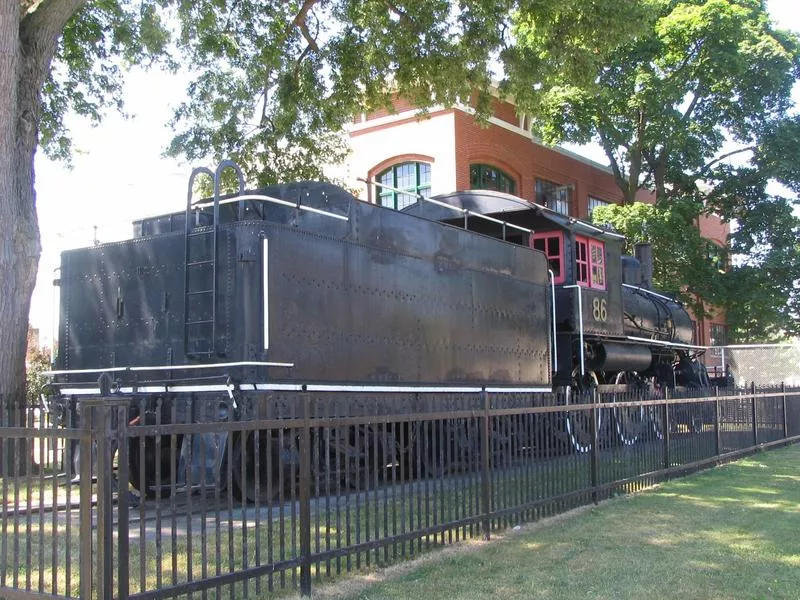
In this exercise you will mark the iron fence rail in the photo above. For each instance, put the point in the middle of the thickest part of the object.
(126, 497)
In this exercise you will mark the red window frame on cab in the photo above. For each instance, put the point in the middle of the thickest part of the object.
(590, 258)
(552, 244)
(590, 262)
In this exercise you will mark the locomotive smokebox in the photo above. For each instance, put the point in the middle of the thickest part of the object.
(613, 357)
(644, 254)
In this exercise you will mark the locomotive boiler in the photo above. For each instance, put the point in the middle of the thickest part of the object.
(302, 284)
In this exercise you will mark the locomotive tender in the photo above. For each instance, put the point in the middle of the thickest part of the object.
(303, 284)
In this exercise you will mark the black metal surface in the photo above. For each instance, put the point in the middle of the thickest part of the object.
(655, 317)
(614, 357)
(383, 297)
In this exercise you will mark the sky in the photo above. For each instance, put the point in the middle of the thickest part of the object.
(120, 174)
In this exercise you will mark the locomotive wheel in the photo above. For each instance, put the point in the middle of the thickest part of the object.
(398, 450)
(446, 447)
(628, 421)
(700, 416)
(578, 424)
(655, 414)
(147, 483)
(357, 455)
(244, 465)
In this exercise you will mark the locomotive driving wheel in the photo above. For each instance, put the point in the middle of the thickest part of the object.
(578, 424)
(655, 414)
(150, 465)
(629, 420)
(255, 462)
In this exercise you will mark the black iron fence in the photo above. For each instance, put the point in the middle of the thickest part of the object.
(237, 496)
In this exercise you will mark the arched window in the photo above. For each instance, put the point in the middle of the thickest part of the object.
(485, 177)
(411, 177)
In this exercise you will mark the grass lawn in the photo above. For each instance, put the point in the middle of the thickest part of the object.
(730, 532)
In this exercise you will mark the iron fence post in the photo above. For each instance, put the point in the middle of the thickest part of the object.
(667, 458)
(123, 477)
(105, 533)
(85, 472)
(595, 439)
(305, 497)
(753, 412)
(785, 421)
(717, 441)
(486, 466)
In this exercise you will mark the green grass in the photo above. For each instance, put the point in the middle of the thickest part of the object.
(364, 515)
(726, 533)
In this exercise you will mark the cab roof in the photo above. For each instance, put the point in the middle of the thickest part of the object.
(446, 207)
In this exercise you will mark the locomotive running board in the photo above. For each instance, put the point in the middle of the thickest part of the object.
(665, 343)
(293, 387)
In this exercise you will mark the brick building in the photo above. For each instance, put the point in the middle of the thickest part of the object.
(447, 150)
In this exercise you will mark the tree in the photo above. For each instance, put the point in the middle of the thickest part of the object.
(280, 81)
(37, 360)
(276, 81)
(695, 108)
(55, 56)
(684, 263)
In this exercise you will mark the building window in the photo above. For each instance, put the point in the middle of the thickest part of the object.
(596, 203)
(552, 244)
(553, 196)
(407, 180)
(590, 263)
(484, 177)
(719, 335)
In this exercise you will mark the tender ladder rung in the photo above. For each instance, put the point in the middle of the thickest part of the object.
(202, 322)
(198, 292)
(197, 263)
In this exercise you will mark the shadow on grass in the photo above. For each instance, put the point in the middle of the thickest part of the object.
(730, 532)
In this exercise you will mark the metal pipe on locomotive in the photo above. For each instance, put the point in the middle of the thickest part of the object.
(302, 284)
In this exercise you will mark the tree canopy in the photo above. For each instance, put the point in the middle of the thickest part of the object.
(276, 82)
(697, 107)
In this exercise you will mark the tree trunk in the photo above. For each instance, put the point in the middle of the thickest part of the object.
(28, 43)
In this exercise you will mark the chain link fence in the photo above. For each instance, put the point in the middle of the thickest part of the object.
(759, 364)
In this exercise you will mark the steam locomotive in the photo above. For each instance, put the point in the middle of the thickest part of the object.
(302, 284)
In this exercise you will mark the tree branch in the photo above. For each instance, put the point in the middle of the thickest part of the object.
(45, 21)
(691, 54)
(707, 166)
(300, 22)
(619, 177)
(691, 107)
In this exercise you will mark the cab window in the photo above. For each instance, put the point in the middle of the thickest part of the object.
(552, 245)
(582, 261)
(590, 263)
(597, 262)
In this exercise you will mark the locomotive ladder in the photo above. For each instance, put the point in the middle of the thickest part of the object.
(201, 252)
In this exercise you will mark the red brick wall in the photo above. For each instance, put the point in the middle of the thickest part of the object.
(506, 112)
(713, 228)
(525, 161)
(398, 105)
